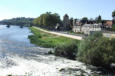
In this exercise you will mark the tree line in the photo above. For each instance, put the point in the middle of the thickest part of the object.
(49, 20)
(21, 21)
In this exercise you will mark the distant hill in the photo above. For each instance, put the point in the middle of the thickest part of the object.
(20, 21)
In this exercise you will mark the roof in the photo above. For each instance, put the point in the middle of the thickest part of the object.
(108, 23)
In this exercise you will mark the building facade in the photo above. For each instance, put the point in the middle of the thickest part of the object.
(87, 28)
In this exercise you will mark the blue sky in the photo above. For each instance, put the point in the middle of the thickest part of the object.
(74, 8)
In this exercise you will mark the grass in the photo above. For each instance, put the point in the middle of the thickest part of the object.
(48, 40)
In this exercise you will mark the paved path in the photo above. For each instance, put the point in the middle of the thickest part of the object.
(61, 34)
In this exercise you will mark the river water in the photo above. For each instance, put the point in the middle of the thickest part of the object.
(19, 57)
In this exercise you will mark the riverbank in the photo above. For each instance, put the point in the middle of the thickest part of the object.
(47, 39)
(18, 57)
(61, 34)
(17, 53)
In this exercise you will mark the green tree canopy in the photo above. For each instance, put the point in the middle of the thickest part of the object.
(113, 13)
(71, 23)
(97, 50)
(113, 27)
(99, 19)
(84, 20)
(47, 20)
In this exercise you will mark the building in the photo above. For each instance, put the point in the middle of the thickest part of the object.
(108, 24)
(79, 23)
(76, 28)
(87, 28)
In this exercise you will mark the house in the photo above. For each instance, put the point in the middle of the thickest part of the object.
(76, 29)
(87, 28)
(108, 24)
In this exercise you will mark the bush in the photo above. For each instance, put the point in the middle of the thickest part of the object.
(97, 50)
(68, 50)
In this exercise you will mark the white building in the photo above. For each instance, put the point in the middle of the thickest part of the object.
(87, 28)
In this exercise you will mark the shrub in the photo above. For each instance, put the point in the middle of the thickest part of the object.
(97, 50)
(68, 50)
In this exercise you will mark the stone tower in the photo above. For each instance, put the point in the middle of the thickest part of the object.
(66, 22)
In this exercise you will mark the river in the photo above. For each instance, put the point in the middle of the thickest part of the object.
(18, 57)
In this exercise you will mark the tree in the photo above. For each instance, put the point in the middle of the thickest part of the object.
(68, 50)
(97, 50)
(113, 27)
(113, 13)
(84, 20)
(47, 20)
(99, 19)
(20, 21)
(91, 21)
(71, 23)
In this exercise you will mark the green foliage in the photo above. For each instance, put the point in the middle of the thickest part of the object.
(47, 20)
(84, 20)
(44, 39)
(9, 75)
(113, 27)
(98, 19)
(67, 50)
(97, 50)
(113, 13)
(71, 23)
(18, 21)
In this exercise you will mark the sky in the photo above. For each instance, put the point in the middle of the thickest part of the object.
(74, 8)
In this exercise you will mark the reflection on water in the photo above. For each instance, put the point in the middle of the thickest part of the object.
(14, 41)
(15, 33)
